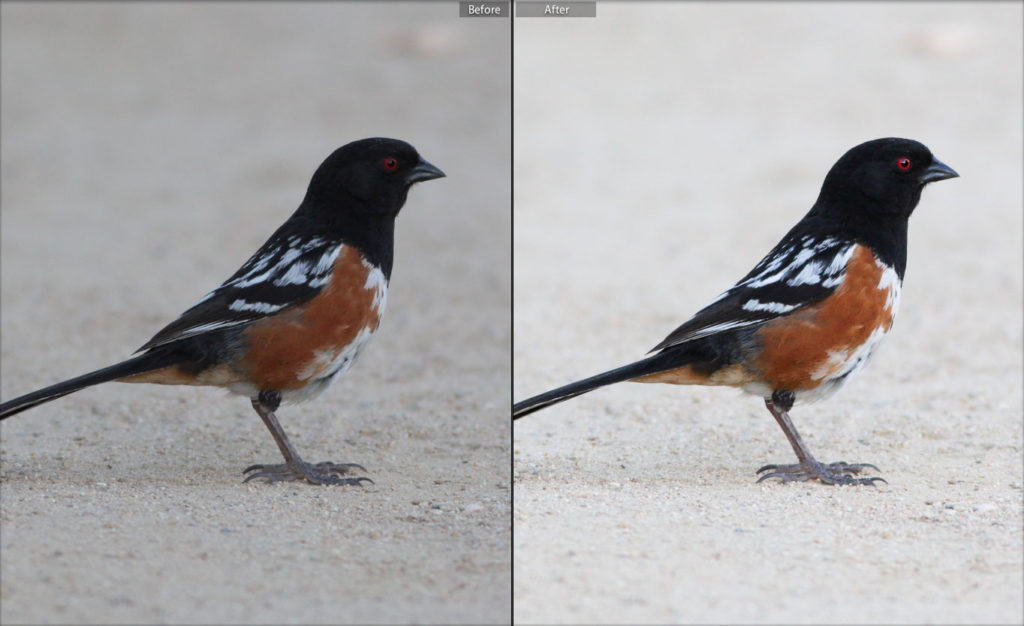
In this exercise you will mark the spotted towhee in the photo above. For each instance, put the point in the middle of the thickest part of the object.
(294, 317)
(811, 312)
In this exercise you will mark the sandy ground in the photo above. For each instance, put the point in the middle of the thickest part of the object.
(661, 150)
(147, 150)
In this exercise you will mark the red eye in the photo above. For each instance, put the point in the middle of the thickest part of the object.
(390, 164)
(904, 164)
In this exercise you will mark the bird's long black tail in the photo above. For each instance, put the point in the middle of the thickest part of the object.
(146, 362)
(650, 365)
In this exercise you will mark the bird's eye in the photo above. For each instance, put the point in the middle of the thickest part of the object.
(390, 164)
(904, 164)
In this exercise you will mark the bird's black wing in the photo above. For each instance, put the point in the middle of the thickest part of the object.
(287, 270)
(801, 270)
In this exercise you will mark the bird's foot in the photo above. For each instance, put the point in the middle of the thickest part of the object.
(325, 473)
(839, 473)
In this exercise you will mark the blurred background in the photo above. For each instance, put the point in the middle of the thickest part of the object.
(661, 149)
(147, 150)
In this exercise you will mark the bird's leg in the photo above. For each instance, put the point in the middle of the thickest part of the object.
(294, 468)
(808, 468)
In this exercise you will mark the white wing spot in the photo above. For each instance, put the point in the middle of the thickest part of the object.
(824, 244)
(841, 260)
(808, 270)
(809, 275)
(776, 261)
(761, 280)
(771, 307)
(327, 260)
(251, 278)
(297, 274)
(258, 307)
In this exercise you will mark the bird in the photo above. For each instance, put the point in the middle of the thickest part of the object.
(294, 317)
(810, 313)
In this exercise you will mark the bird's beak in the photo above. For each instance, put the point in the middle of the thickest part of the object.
(937, 171)
(426, 171)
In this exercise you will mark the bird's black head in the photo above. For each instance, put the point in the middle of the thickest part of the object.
(357, 192)
(369, 178)
(880, 178)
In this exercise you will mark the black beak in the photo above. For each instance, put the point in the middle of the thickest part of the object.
(426, 171)
(937, 171)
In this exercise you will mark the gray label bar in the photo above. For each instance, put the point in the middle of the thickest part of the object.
(556, 9)
(484, 9)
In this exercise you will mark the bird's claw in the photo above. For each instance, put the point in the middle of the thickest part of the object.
(839, 473)
(325, 473)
